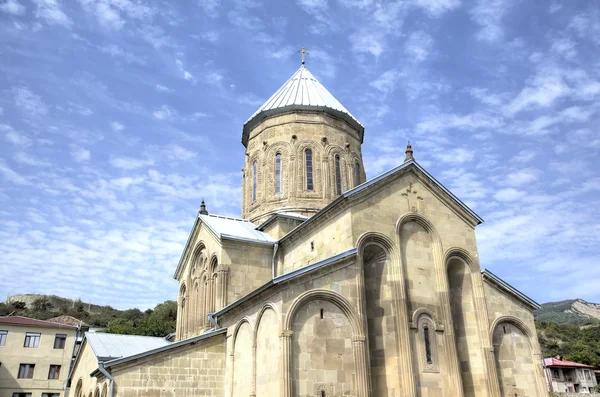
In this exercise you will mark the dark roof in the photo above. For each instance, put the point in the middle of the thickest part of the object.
(68, 320)
(26, 321)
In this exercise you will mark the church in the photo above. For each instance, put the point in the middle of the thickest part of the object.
(330, 284)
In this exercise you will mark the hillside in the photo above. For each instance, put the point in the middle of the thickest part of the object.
(573, 311)
(159, 321)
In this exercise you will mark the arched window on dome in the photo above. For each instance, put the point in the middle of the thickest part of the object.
(309, 169)
(278, 173)
(338, 176)
(254, 181)
(357, 174)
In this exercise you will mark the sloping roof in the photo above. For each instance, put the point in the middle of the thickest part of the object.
(160, 349)
(68, 320)
(235, 228)
(26, 321)
(555, 362)
(497, 281)
(112, 346)
(301, 92)
(380, 179)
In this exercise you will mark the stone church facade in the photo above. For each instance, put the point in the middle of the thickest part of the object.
(332, 285)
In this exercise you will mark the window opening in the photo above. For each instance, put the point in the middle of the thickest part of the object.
(322, 393)
(427, 345)
(338, 176)
(59, 341)
(312, 246)
(321, 314)
(26, 371)
(254, 181)
(356, 174)
(3, 337)
(278, 173)
(504, 328)
(309, 170)
(32, 339)
(54, 372)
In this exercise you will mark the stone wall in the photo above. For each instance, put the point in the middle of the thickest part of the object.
(190, 370)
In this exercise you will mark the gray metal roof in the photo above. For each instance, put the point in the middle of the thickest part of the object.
(111, 346)
(301, 92)
(235, 229)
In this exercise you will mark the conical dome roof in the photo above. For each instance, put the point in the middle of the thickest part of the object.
(301, 92)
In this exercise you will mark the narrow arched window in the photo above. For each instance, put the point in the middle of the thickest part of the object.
(356, 174)
(254, 181)
(338, 176)
(427, 344)
(278, 173)
(309, 169)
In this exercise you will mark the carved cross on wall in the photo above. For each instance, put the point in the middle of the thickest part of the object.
(413, 199)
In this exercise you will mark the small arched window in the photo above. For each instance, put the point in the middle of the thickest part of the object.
(356, 174)
(254, 181)
(427, 345)
(338, 176)
(278, 173)
(309, 170)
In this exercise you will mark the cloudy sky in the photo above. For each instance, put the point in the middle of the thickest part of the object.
(118, 116)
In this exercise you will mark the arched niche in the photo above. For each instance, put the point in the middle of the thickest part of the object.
(516, 358)
(242, 359)
(267, 352)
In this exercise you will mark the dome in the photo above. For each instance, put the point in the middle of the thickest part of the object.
(301, 92)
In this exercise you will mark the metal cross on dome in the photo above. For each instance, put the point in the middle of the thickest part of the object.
(303, 52)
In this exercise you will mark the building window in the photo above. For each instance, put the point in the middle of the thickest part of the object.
(338, 176)
(580, 374)
(427, 345)
(54, 372)
(587, 375)
(254, 181)
(309, 170)
(21, 395)
(555, 374)
(59, 341)
(278, 173)
(31, 339)
(3, 337)
(356, 174)
(50, 394)
(26, 371)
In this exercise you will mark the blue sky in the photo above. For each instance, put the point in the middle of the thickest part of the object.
(118, 116)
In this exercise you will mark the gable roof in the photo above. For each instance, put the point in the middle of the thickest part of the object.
(111, 346)
(235, 228)
(503, 285)
(32, 322)
(382, 179)
(556, 362)
(301, 92)
(226, 228)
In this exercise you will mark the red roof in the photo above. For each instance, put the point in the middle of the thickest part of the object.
(18, 320)
(555, 362)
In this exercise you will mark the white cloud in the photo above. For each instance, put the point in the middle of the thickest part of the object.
(525, 156)
(13, 136)
(488, 14)
(164, 113)
(564, 47)
(186, 74)
(29, 103)
(116, 126)
(210, 7)
(80, 154)
(25, 158)
(508, 194)
(418, 46)
(368, 41)
(178, 153)
(11, 175)
(474, 121)
(522, 177)
(130, 163)
(387, 81)
(162, 88)
(51, 12)
(118, 52)
(12, 7)
(112, 14)
(455, 155)
(438, 7)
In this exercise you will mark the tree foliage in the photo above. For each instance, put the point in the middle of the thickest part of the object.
(159, 321)
(574, 342)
